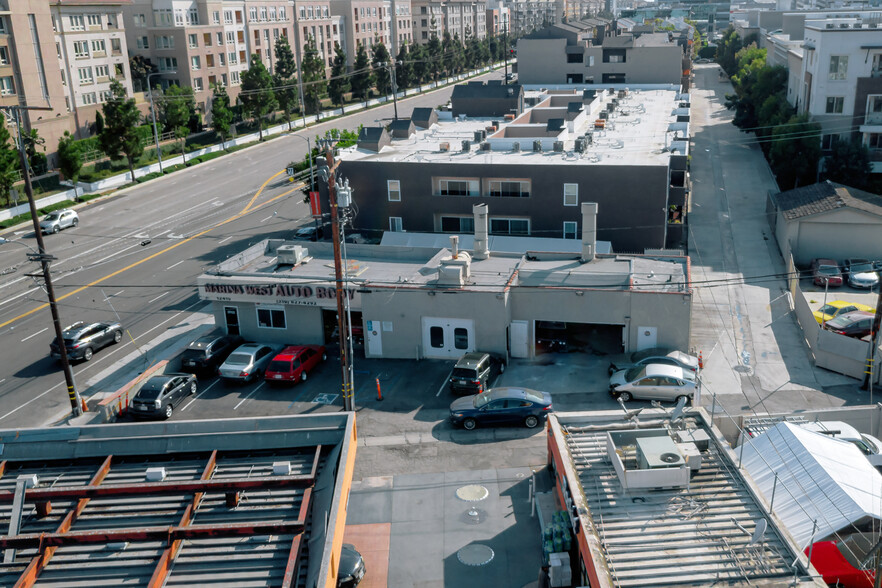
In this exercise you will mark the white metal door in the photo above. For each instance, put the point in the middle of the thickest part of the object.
(374, 338)
(646, 337)
(447, 338)
(518, 335)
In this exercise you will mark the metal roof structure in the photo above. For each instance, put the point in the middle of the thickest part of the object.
(824, 197)
(188, 503)
(703, 532)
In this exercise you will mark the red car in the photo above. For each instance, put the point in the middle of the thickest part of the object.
(826, 271)
(294, 363)
(839, 561)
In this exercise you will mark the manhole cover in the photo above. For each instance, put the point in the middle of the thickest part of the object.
(475, 555)
(474, 516)
(472, 493)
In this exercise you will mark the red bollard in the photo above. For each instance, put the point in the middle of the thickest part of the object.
(379, 393)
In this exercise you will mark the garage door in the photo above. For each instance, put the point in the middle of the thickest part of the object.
(556, 336)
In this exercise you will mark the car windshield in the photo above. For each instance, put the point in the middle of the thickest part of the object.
(864, 266)
(279, 366)
(148, 394)
(840, 321)
(193, 354)
(870, 445)
(239, 359)
(534, 396)
(464, 373)
(482, 399)
(52, 216)
(828, 270)
(635, 373)
(827, 309)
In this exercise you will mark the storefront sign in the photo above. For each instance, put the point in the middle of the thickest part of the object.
(291, 294)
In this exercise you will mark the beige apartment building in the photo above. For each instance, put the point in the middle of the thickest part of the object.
(402, 31)
(461, 18)
(364, 22)
(497, 19)
(428, 20)
(314, 19)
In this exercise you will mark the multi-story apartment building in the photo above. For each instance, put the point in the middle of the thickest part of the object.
(314, 19)
(497, 19)
(428, 20)
(529, 15)
(364, 22)
(402, 29)
(461, 18)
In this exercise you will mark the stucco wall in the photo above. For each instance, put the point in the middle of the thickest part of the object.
(838, 235)
(304, 324)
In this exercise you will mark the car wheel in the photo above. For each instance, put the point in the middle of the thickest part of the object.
(55, 228)
(117, 336)
(681, 397)
(168, 411)
(75, 222)
(87, 354)
(469, 424)
(303, 376)
(625, 396)
(192, 387)
(324, 357)
(531, 422)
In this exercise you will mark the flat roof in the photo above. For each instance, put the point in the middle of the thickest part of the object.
(235, 505)
(640, 131)
(695, 535)
(391, 266)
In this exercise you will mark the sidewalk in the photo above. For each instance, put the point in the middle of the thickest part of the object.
(754, 354)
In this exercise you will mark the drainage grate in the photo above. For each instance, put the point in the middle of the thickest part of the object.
(475, 554)
(472, 493)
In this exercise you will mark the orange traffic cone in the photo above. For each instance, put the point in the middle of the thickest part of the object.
(700, 361)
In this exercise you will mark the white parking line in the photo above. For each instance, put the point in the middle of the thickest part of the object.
(195, 398)
(267, 218)
(224, 240)
(157, 298)
(444, 385)
(250, 394)
(34, 335)
(176, 264)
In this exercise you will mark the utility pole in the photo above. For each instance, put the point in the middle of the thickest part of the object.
(505, 49)
(342, 323)
(394, 87)
(870, 372)
(76, 403)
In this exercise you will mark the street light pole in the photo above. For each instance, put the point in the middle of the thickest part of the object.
(76, 402)
(315, 217)
(153, 115)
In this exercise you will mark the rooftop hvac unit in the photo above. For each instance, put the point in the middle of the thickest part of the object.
(658, 453)
(829, 25)
(466, 146)
(291, 254)
(480, 136)
(874, 25)
(444, 146)
(589, 139)
(603, 115)
(612, 90)
(537, 146)
(857, 25)
(495, 124)
(516, 146)
(485, 146)
(558, 146)
(622, 93)
(580, 146)
(843, 25)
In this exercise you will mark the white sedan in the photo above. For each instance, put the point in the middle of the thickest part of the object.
(652, 382)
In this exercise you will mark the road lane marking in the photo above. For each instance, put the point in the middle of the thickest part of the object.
(267, 218)
(17, 296)
(260, 190)
(444, 385)
(195, 398)
(13, 282)
(114, 254)
(250, 394)
(34, 335)
(176, 264)
(157, 298)
(224, 240)
(146, 259)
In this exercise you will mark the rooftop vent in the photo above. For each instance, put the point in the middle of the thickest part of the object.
(281, 468)
(444, 146)
(558, 146)
(829, 25)
(466, 146)
(580, 146)
(537, 146)
(516, 146)
(291, 254)
(155, 474)
(485, 146)
(843, 25)
(480, 136)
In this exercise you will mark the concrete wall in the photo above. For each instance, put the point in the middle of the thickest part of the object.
(632, 199)
(304, 324)
(837, 234)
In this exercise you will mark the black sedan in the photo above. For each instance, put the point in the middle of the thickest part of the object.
(856, 324)
(208, 352)
(83, 339)
(160, 394)
(501, 406)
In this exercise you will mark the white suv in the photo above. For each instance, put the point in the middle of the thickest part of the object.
(59, 219)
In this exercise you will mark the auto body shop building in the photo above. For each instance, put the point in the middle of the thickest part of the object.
(415, 302)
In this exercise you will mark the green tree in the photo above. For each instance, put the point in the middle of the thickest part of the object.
(449, 55)
(403, 69)
(339, 82)
(9, 161)
(140, 66)
(849, 163)
(795, 152)
(179, 107)
(419, 60)
(380, 59)
(433, 55)
(284, 82)
(35, 147)
(315, 84)
(257, 97)
(99, 123)
(727, 47)
(70, 159)
(121, 120)
(221, 113)
(362, 78)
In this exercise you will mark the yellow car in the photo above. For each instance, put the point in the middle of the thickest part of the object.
(833, 309)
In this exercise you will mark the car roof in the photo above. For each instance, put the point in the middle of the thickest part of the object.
(204, 341)
(825, 261)
(158, 381)
(854, 315)
(857, 260)
(658, 369)
(841, 303)
(512, 392)
(471, 359)
(249, 347)
(846, 431)
(290, 351)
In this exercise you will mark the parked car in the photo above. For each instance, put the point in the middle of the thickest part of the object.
(833, 309)
(208, 352)
(59, 219)
(856, 324)
(247, 363)
(160, 394)
(475, 372)
(826, 272)
(660, 355)
(83, 339)
(351, 569)
(294, 363)
(861, 273)
(499, 406)
(652, 382)
(308, 234)
(869, 445)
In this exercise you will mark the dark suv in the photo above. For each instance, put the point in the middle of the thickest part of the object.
(160, 394)
(82, 339)
(208, 352)
(475, 371)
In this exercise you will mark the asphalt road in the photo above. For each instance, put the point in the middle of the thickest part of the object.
(136, 255)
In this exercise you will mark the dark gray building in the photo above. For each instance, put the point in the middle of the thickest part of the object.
(487, 99)
(626, 151)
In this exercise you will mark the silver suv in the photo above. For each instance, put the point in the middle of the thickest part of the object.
(59, 219)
